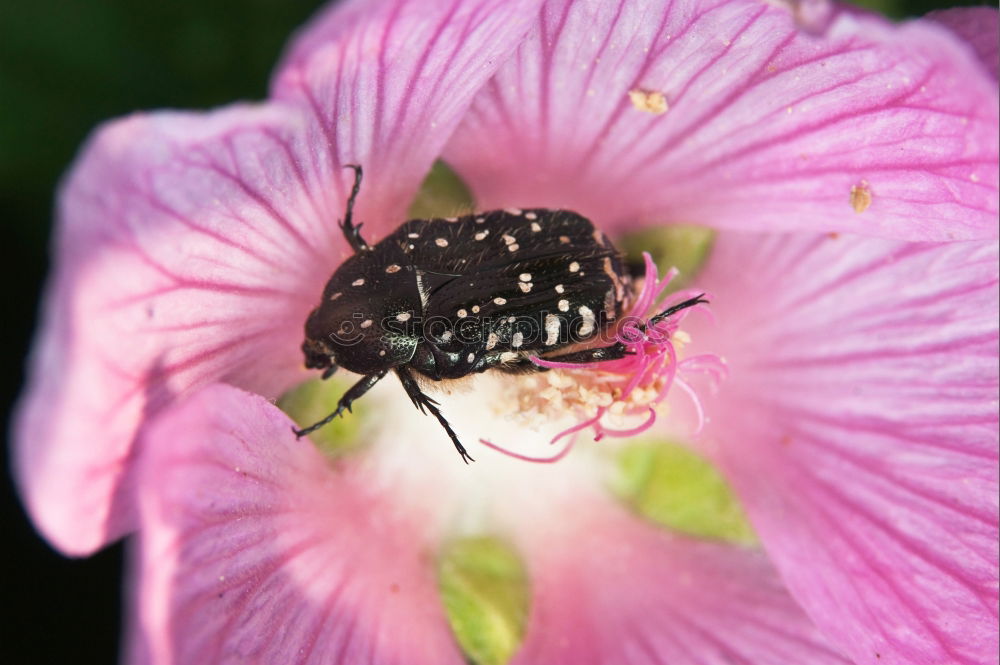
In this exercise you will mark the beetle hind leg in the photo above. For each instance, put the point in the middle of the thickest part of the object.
(690, 302)
(351, 232)
(426, 404)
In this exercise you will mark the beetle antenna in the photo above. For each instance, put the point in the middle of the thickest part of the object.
(351, 232)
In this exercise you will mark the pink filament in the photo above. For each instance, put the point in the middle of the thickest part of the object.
(528, 458)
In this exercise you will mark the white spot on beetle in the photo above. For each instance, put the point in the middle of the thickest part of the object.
(382, 352)
(525, 286)
(367, 323)
(451, 219)
(446, 336)
(392, 269)
(525, 277)
(440, 242)
(588, 320)
(412, 235)
(461, 314)
(564, 240)
(403, 316)
(491, 341)
(500, 301)
(511, 319)
(480, 220)
(514, 247)
(536, 227)
(517, 340)
(563, 305)
(509, 356)
(358, 282)
(513, 211)
(560, 288)
(509, 239)
(336, 295)
(551, 329)
(530, 215)
(481, 234)
(469, 358)
(574, 267)
(475, 309)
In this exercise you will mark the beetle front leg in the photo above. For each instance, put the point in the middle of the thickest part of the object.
(353, 393)
(351, 232)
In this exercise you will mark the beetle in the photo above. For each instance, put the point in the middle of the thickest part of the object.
(446, 298)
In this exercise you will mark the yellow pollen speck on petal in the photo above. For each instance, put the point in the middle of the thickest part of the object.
(861, 197)
(649, 101)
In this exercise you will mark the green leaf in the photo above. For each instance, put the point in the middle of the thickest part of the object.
(485, 590)
(312, 401)
(672, 486)
(442, 194)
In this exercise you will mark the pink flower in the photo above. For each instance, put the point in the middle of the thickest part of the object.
(852, 171)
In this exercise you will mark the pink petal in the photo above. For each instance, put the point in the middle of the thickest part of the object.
(256, 548)
(190, 247)
(422, 62)
(610, 589)
(768, 127)
(978, 27)
(859, 426)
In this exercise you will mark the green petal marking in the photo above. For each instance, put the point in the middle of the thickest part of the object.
(680, 246)
(314, 400)
(485, 591)
(442, 194)
(674, 487)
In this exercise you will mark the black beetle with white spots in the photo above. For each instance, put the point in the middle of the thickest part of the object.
(446, 298)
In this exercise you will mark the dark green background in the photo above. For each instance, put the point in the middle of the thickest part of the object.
(65, 66)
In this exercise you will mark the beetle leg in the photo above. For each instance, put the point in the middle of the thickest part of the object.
(618, 350)
(351, 232)
(425, 404)
(329, 371)
(613, 352)
(690, 302)
(353, 393)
